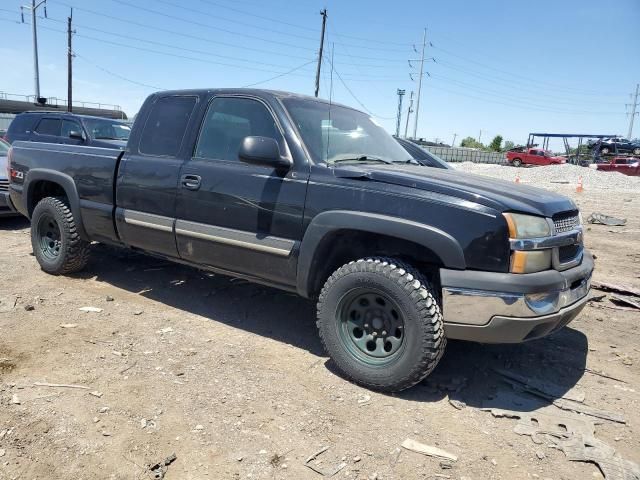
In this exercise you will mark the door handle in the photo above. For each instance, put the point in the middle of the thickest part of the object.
(191, 182)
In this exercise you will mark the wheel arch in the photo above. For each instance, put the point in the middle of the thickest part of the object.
(41, 183)
(337, 237)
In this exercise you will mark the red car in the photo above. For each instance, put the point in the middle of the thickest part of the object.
(533, 156)
(626, 165)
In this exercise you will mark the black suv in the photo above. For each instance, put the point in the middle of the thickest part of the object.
(68, 128)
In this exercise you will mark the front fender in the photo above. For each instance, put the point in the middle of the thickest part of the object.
(68, 185)
(441, 243)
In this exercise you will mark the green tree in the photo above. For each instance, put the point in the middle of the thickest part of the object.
(496, 144)
(471, 142)
(508, 145)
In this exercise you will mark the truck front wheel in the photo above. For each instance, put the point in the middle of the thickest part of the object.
(381, 323)
(54, 238)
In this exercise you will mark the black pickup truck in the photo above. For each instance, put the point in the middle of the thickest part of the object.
(316, 198)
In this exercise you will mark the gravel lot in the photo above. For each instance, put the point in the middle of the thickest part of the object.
(550, 176)
(231, 376)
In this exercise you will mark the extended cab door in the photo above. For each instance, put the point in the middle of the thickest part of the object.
(235, 216)
(148, 175)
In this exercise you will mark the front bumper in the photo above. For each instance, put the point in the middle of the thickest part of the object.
(6, 207)
(493, 307)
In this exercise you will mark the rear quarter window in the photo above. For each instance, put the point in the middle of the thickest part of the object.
(22, 124)
(166, 125)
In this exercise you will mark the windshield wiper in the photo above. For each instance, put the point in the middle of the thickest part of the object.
(106, 138)
(363, 158)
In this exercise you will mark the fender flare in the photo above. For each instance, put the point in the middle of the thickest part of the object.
(441, 243)
(68, 185)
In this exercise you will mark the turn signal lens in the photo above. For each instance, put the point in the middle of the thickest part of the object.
(531, 261)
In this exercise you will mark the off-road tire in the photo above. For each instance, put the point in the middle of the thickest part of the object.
(516, 162)
(424, 338)
(605, 150)
(636, 151)
(73, 252)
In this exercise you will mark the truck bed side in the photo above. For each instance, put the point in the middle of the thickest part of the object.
(85, 175)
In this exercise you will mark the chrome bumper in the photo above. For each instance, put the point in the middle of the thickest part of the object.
(478, 307)
(510, 308)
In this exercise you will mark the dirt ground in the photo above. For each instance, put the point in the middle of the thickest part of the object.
(231, 377)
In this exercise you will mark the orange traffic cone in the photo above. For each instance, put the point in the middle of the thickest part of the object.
(517, 178)
(580, 187)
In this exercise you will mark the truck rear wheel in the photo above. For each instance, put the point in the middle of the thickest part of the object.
(381, 323)
(55, 239)
(516, 162)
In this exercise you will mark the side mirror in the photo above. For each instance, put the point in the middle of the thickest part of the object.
(263, 151)
(76, 135)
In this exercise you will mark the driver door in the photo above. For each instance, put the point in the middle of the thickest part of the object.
(232, 215)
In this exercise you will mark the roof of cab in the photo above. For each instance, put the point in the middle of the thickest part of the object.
(258, 92)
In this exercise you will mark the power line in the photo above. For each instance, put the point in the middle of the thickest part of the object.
(518, 98)
(203, 25)
(143, 49)
(211, 27)
(521, 107)
(298, 26)
(494, 79)
(355, 97)
(280, 75)
(521, 77)
(280, 32)
(151, 42)
(117, 75)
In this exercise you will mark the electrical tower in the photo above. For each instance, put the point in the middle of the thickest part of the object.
(633, 106)
(420, 75)
(400, 95)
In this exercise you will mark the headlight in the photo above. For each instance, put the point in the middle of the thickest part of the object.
(527, 226)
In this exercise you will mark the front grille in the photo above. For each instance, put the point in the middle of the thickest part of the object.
(565, 222)
(4, 185)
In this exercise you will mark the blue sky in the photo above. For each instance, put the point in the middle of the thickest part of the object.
(503, 67)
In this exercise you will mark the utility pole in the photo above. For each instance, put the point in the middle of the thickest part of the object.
(479, 136)
(324, 22)
(453, 143)
(415, 120)
(69, 64)
(633, 112)
(409, 112)
(33, 8)
(400, 95)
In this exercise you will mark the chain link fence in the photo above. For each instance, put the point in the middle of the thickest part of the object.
(454, 154)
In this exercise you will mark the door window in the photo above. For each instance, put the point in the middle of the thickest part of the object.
(166, 125)
(49, 126)
(69, 126)
(228, 121)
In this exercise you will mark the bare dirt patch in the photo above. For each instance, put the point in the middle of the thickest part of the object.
(231, 377)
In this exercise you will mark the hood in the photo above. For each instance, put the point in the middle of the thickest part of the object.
(497, 194)
(120, 144)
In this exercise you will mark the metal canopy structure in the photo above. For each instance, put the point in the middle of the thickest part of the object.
(565, 136)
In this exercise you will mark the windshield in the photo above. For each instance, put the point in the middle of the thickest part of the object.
(4, 147)
(334, 133)
(104, 129)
